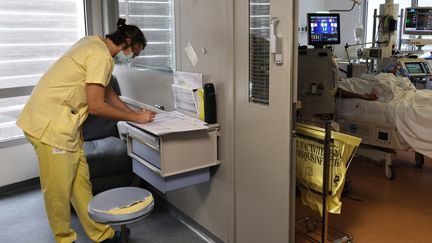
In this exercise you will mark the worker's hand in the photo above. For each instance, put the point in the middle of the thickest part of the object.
(145, 116)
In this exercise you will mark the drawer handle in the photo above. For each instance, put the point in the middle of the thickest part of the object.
(146, 164)
(143, 142)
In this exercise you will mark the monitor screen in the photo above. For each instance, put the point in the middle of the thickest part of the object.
(323, 29)
(418, 21)
(414, 68)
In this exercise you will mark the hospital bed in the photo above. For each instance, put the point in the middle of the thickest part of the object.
(370, 121)
(398, 121)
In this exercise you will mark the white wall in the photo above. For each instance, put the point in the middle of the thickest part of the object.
(18, 163)
(308, 6)
(349, 20)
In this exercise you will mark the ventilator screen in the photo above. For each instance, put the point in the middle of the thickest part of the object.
(323, 29)
(414, 68)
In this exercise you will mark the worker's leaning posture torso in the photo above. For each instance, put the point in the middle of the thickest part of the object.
(58, 104)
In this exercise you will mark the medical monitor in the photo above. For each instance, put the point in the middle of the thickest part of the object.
(323, 29)
(418, 21)
(414, 68)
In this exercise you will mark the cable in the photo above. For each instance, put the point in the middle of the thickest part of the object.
(345, 10)
(340, 69)
(378, 29)
(338, 103)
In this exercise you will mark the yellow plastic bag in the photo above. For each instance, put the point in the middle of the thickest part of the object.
(310, 159)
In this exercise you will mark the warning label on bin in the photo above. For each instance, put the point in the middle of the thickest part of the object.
(310, 164)
(315, 153)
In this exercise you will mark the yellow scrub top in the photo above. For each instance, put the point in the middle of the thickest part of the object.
(58, 104)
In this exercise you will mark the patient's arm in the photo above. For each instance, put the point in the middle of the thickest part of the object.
(347, 94)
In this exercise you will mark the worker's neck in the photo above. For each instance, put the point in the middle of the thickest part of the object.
(113, 48)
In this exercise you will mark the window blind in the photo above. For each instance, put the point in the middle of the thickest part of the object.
(259, 46)
(156, 19)
(34, 34)
(424, 3)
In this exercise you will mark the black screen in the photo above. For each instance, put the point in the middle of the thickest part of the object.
(383, 136)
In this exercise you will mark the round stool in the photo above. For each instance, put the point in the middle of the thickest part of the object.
(121, 206)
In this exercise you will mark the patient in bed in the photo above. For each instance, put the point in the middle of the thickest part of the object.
(383, 87)
(409, 109)
(342, 93)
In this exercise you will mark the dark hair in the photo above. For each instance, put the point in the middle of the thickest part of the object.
(127, 31)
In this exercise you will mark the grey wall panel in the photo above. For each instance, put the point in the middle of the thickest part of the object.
(94, 17)
(148, 86)
(208, 26)
(205, 24)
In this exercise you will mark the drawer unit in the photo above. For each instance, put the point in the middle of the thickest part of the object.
(165, 184)
(144, 151)
(174, 160)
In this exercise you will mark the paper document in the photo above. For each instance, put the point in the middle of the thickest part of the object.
(172, 122)
(188, 93)
(191, 80)
(193, 58)
(184, 99)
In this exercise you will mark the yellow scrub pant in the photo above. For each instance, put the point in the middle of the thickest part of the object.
(64, 178)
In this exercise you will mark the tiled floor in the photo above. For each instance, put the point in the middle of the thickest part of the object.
(381, 210)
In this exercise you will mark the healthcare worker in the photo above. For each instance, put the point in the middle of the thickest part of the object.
(76, 85)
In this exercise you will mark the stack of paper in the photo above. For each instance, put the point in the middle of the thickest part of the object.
(188, 93)
(184, 99)
(172, 122)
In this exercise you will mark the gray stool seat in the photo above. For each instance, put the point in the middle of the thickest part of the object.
(101, 206)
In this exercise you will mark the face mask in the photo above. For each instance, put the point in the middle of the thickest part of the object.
(122, 59)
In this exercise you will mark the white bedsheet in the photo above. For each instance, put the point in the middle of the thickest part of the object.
(401, 104)
(366, 110)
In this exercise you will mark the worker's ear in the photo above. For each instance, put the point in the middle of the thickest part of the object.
(128, 42)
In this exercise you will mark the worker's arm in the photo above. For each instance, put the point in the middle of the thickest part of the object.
(99, 107)
(113, 99)
(347, 94)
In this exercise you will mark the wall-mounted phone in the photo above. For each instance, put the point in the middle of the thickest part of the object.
(275, 42)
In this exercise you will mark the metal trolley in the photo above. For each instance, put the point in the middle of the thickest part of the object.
(310, 229)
